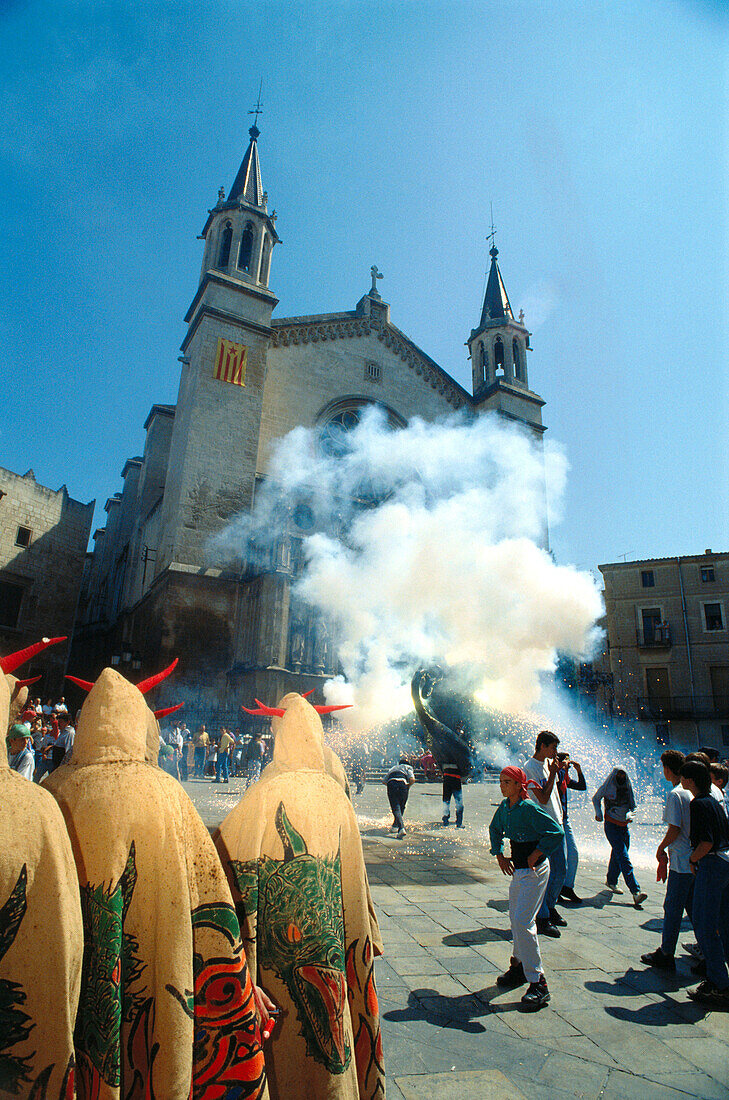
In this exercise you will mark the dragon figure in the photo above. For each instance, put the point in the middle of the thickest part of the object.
(15, 1025)
(298, 906)
(447, 745)
(110, 968)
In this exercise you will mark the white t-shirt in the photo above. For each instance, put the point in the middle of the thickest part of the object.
(539, 771)
(677, 811)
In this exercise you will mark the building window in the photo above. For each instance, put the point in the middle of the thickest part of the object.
(713, 616)
(265, 261)
(499, 355)
(23, 536)
(516, 352)
(11, 597)
(373, 372)
(225, 242)
(246, 248)
(647, 578)
(652, 620)
(707, 574)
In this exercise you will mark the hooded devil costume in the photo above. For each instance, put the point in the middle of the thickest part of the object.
(166, 1007)
(293, 854)
(40, 917)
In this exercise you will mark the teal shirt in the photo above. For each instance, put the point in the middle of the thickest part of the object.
(524, 823)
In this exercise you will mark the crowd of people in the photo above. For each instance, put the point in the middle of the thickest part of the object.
(202, 755)
(692, 858)
(41, 738)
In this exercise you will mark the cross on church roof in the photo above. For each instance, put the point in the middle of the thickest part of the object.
(376, 274)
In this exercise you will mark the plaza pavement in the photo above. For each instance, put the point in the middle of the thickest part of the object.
(614, 1029)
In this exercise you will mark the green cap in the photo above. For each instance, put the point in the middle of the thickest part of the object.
(17, 731)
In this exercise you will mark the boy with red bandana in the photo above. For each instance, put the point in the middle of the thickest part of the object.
(533, 835)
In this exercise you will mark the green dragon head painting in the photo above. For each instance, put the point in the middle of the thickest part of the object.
(301, 937)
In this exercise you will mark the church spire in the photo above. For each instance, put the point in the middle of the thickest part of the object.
(496, 301)
(247, 185)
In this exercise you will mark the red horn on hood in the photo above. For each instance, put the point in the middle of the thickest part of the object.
(306, 694)
(269, 712)
(152, 681)
(85, 684)
(26, 683)
(167, 710)
(328, 710)
(14, 660)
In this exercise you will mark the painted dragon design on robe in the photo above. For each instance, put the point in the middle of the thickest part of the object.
(15, 1024)
(297, 906)
(111, 971)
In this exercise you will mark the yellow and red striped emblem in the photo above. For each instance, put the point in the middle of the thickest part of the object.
(230, 362)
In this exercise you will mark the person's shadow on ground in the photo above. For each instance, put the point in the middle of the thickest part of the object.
(476, 937)
(635, 983)
(460, 1013)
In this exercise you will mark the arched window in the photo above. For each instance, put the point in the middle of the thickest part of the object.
(225, 239)
(265, 261)
(498, 355)
(516, 351)
(484, 363)
(246, 248)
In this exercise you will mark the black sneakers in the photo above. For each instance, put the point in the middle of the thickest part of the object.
(536, 996)
(556, 918)
(568, 894)
(708, 994)
(513, 977)
(659, 960)
(546, 928)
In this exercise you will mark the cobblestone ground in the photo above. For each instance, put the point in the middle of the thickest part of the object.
(614, 1029)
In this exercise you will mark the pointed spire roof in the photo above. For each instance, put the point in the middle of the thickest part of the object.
(247, 184)
(496, 305)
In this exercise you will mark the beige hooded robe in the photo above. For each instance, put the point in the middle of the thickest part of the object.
(166, 1008)
(41, 937)
(293, 854)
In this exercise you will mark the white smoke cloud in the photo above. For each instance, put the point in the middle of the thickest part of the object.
(444, 567)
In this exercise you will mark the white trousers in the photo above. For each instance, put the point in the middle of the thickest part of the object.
(526, 893)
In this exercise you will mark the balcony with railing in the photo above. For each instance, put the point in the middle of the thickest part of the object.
(683, 706)
(654, 636)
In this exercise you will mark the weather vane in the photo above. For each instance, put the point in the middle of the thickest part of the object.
(492, 235)
(258, 109)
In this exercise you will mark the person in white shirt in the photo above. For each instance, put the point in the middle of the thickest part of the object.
(673, 856)
(399, 780)
(543, 768)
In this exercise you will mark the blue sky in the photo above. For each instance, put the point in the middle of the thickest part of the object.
(597, 130)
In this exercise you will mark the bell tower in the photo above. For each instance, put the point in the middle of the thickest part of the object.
(240, 234)
(212, 467)
(498, 348)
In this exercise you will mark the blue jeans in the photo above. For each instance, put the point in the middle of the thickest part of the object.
(222, 767)
(573, 856)
(710, 916)
(200, 754)
(452, 789)
(619, 840)
(557, 872)
(679, 896)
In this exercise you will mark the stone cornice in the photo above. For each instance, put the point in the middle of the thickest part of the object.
(228, 318)
(313, 330)
(222, 279)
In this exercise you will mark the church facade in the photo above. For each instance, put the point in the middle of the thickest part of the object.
(247, 379)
